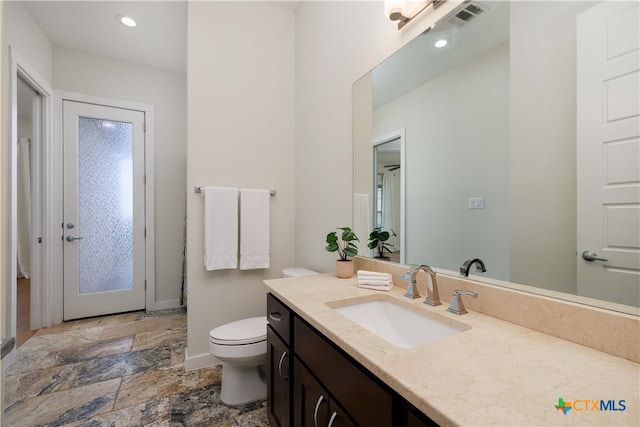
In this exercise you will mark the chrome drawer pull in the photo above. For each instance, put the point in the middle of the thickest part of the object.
(284, 377)
(315, 413)
(274, 315)
(333, 417)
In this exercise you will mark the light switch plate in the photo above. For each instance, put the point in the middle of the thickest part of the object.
(476, 202)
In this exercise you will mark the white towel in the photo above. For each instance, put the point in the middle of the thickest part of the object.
(378, 287)
(254, 229)
(220, 228)
(375, 280)
(372, 275)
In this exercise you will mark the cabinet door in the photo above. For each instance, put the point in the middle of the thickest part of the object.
(310, 399)
(337, 417)
(278, 381)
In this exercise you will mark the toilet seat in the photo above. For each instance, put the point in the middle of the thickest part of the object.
(241, 332)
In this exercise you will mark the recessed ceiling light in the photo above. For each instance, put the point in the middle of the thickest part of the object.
(126, 20)
(440, 43)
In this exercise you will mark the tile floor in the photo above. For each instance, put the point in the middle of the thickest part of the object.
(124, 370)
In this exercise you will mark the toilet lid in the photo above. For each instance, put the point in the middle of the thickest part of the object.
(245, 331)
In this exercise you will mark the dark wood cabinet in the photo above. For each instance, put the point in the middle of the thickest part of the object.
(364, 399)
(312, 403)
(279, 380)
(314, 383)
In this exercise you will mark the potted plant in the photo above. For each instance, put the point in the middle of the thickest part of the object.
(378, 240)
(346, 248)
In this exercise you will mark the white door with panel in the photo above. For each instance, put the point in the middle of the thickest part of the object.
(104, 210)
(608, 129)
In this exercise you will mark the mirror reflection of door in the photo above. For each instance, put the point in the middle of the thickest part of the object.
(388, 195)
(608, 153)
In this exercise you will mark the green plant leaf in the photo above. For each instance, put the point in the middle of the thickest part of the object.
(348, 235)
(383, 236)
(332, 237)
(351, 251)
(332, 247)
(372, 244)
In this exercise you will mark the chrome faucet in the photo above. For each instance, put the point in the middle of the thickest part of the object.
(433, 298)
(464, 270)
(456, 306)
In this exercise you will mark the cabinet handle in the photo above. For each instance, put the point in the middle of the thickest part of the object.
(274, 315)
(333, 417)
(315, 413)
(284, 377)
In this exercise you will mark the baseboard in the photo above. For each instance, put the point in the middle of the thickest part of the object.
(191, 363)
(166, 304)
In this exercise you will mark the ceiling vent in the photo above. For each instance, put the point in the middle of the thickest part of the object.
(467, 12)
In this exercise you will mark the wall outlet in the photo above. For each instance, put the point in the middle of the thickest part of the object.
(476, 203)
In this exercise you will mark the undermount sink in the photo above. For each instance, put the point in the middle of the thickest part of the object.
(399, 325)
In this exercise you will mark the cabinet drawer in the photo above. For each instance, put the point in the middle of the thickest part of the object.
(279, 317)
(365, 401)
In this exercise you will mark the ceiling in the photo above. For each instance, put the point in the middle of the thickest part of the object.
(419, 61)
(159, 39)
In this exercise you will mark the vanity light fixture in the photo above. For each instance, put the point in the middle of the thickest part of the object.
(441, 43)
(396, 10)
(126, 20)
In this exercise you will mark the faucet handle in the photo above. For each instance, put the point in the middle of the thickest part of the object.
(412, 287)
(456, 306)
(406, 276)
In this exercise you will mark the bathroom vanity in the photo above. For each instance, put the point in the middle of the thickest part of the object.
(312, 382)
(327, 370)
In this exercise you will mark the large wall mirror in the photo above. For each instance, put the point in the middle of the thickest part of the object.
(520, 146)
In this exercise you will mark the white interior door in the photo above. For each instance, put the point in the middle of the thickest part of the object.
(608, 120)
(104, 219)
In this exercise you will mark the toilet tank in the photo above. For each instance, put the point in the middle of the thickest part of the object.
(297, 272)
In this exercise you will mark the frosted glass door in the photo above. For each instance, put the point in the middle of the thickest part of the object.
(103, 210)
(105, 204)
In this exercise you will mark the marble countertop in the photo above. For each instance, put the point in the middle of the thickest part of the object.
(495, 373)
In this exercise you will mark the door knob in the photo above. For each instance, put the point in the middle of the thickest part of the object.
(72, 238)
(592, 256)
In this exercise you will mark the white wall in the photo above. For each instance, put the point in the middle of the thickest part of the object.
(97, 75)
(543, 143)
(457, 131)
(23, 34)
(241, 134)
(336, 44)
(5, 309)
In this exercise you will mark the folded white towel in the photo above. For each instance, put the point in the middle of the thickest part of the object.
(363, 277)
(254, 229)
(379, 282)
(220, 228)
(376, 287)
(376, 274)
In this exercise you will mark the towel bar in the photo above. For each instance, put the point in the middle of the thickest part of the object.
(199, 190)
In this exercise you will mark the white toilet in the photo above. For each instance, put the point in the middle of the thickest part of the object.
(297, 272)
(242, 348)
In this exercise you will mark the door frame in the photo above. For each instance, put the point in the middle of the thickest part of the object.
(57, 183)
(392, 136)
(41, 275)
